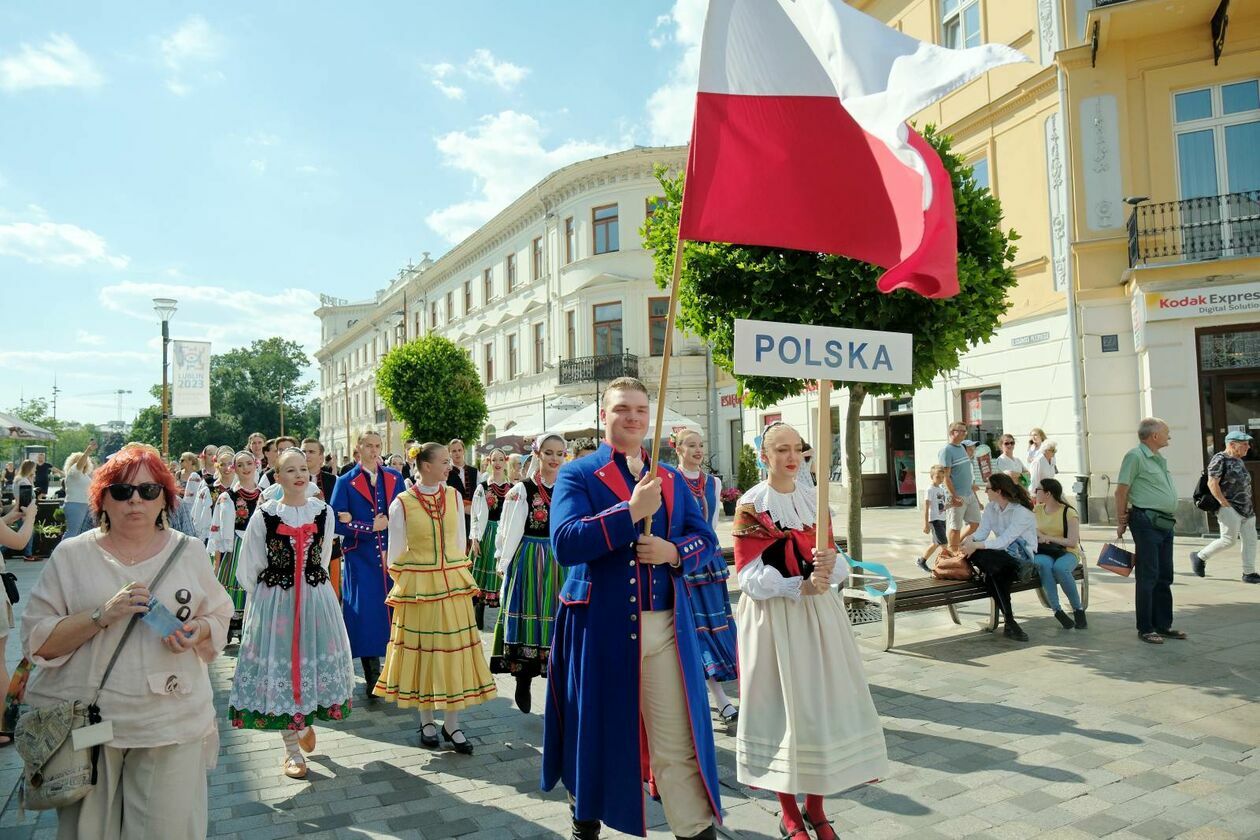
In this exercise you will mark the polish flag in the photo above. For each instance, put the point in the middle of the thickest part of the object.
(800, 138)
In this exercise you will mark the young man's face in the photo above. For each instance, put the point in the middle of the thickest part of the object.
(314, 456)
(625, 417)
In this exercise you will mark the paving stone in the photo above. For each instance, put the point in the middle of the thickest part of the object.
(1100, 825)
(1157, 829)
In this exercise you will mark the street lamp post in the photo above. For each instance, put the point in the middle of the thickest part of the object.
(165, 308)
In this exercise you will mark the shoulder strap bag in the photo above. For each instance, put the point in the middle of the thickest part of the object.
(54, 773)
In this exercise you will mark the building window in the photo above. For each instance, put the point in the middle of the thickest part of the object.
(982, 414)
(658, 320)
(513, 356)
(536, 259)
(539, 342)
(489, 364)
(433, 315)
(980, 172)
(487, 286)
(960, 23)
(570, 333)
(510, 267)
(450, 307)
(570, 241)
(604, 223)
(607, 329)
(468, 304)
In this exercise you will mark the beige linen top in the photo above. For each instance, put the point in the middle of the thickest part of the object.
(154, 697)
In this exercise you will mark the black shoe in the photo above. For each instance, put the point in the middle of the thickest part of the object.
(371, 673)
(1081, 623)
(480, 611)
(709, 833)
(784, 834)
(922, 564)
(1013, 631)
(585, 829)
(729, 714)
(429, 741)
(524, 701)
(1198, 565)
(1251, 577)
(463, 747)
(1063, 619)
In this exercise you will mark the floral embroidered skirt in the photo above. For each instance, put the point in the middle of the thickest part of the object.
(483, 571)
(522, 634)
(715, 624)
(263, 695)
(434, 659)
(226, 573)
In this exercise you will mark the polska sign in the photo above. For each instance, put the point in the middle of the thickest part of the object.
(769, 348)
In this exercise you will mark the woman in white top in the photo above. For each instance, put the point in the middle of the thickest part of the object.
(487, 510)
(1035, 438)
(1006, 538)
(151, 774)
(807, 724)
(1043, 465)
(77, 475)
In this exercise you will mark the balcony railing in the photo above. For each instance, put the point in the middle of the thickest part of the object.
(1098, 4)
(598, 368)
(1208, 228)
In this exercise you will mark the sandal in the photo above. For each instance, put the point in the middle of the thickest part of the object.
(1151, 638)
(295, 768)
(729, 714)
(1173, 634)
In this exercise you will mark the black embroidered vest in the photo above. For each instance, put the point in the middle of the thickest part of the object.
(282, 559)
(495, 498)
(244, 508)
(537, 509)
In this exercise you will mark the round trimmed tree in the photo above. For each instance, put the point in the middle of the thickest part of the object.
(432, 386)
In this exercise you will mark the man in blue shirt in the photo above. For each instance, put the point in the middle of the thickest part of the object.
(964, 509)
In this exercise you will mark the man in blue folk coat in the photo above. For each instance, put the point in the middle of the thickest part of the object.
(361, 499)
(625, 675)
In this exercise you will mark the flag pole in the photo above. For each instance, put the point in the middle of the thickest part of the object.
(822, 458)
(667, 351)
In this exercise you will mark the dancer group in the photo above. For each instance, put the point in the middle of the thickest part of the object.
(609, 585)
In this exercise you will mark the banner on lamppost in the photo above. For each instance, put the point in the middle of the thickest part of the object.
(190, 379)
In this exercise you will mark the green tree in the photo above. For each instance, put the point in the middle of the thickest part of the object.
(749, 472)
(432, 386)
(722, 282)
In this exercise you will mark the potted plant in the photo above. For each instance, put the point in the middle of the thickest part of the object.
(729, 497)
(46, 538)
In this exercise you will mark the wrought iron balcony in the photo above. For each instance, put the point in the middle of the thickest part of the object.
(1208, 228)
(598, 368)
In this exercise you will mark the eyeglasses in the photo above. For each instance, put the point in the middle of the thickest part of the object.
(149, 491)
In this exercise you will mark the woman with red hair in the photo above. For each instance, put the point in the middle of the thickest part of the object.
(157, 696)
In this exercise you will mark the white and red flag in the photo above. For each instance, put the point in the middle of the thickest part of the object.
(800, 138)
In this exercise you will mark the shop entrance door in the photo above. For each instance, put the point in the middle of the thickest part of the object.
(1236, 407)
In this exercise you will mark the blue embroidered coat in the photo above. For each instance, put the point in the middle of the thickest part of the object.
(592, 727)
(364, 572)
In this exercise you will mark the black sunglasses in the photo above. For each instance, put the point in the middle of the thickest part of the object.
(149, 491)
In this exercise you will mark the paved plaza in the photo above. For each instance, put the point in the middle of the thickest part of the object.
(1077, 734)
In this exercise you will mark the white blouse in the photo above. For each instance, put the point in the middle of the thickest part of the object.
(223, 524)
(1002, 526)
(512, 525)
(717, 493)
(481, 510)
(398, 521)
(793, 511)
(253, 557)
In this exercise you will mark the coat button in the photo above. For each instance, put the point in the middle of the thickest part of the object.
(633, 599)
(634, 636)
(631, 562)
(632, 581)
(634, 618)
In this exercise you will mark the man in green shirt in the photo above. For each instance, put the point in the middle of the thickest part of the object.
(1146, 502)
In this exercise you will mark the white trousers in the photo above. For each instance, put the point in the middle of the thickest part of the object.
(1234, 527)
(154, 793)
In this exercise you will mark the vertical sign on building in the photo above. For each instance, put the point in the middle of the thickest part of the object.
(190, 379)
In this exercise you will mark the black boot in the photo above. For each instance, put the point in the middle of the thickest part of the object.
(524, 701)
(584, 829)
(709, 833)
(371, 673)
(481, 614)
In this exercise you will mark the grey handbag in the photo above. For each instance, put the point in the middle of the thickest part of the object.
(54, 773)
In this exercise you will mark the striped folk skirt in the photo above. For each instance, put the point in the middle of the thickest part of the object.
(522, 635)
(715, 624)
(483, 571)
(226, 573)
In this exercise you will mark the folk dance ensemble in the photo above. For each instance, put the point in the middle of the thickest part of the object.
(487, 512)
(531, 575)
(362, 498)
(294, 664)
(435, 661)
(710, 600)
(807, 723)
(625, 676)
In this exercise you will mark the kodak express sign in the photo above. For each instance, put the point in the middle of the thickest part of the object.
(1209, 301)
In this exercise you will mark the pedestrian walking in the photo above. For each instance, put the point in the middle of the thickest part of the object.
(710, 601)
(531, 575)
(964, 508)
(294, 665)
(1044, 466)
(1058, 551)
(1230, 483)
(1007, 462)
(435, 662)
(1146, 502)
(487, 512)
(77, 475)
(935, 504)
(232, 513)
(625, 678)
(1036, 438)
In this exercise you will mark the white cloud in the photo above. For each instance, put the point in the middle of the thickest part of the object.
(187, 50)
(505, 155)
(483, 66)
(58, 62)
(440, 73)
(90, 339)
(57, 244)
(671, 106)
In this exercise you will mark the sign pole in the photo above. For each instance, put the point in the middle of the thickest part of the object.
(667, 352)
(822, 460)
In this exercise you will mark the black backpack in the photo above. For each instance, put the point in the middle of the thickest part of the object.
(1203, 498)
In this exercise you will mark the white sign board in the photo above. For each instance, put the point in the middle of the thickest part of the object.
(1203, 301)
(796, 351)
(190, 379)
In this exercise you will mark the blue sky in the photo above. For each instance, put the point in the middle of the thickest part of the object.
(242, 158)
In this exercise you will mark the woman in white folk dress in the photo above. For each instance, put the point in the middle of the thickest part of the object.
(807, 724)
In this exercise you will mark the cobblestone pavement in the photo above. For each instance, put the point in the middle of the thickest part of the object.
(1077, 734)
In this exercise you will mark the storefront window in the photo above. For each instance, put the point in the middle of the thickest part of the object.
(1221, 351)
(982, 412)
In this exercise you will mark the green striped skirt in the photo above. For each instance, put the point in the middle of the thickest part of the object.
(483, 568)
(522, 635)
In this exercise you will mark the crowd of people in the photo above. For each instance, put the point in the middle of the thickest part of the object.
(607, 577)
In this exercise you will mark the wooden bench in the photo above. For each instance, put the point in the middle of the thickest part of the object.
(873, 594)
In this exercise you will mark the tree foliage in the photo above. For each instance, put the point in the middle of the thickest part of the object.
(749, 473)
(723, 282)
(432, 386)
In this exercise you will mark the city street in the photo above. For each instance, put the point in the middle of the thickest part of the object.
(1077, 734)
